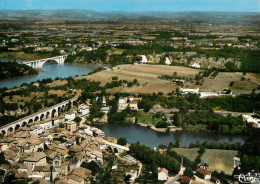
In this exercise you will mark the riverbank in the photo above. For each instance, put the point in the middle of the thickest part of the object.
(173, 129)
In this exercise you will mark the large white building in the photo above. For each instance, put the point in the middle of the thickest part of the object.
(84, 109)
(194, 91)
(70, 115)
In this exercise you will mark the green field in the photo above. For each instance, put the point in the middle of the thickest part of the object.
(147, 118)
(189, 153)
(220, 160)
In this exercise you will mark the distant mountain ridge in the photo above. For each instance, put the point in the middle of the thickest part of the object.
(244, 18)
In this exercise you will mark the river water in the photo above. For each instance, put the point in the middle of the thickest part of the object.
(134, 133)
(49, 70)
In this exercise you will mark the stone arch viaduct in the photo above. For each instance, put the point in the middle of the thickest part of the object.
(117, 147)
(49, 113)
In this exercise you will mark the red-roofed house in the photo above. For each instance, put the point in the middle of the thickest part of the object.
(185, 180)
(204, 173)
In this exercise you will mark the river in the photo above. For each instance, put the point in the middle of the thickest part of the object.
(49, 70)
(134, 133)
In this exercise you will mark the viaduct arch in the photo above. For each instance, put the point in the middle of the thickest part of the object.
(38, 116)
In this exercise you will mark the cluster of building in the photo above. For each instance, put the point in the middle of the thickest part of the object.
(54, 149)
(55, 154)
(131, 102)
(203, 175)
(191, 59)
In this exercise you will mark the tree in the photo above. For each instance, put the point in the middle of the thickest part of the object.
(161, 124)
(51, 168)
(230, 66)
(201, 150)
(188, 172)
(77, 119)
(127, 178)
(93, 166)
(232, 83)
(197, 160)
(177, 143)
(69, 105)
(177, 119)
(122, 141)
(2, 158)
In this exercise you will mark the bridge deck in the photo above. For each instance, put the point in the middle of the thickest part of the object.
(37, 113)
(117, 146)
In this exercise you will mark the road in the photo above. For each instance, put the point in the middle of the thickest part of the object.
(172, 180)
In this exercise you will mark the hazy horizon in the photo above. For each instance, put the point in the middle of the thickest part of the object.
(135, 5)
(128, 11)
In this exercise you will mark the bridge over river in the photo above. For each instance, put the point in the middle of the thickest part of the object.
(40, 63)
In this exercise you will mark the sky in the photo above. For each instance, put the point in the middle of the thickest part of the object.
(135, 5)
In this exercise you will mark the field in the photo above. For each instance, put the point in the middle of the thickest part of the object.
(147, 76)
(116, 51)
(146, 118)
(189, 153)
(221, 160)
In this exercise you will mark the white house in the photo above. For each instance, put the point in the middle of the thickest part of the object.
(167, 61)
(237, 162)
(204, 173)
(104, 101)
(162, 174)
(195, 65)
(144, 59)
(122, 100)
(122, 103)
(96, 156)
(133, 105)
(84, 109)
(46, 125)
(70, 115)
(88, 132)
(57, 122)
